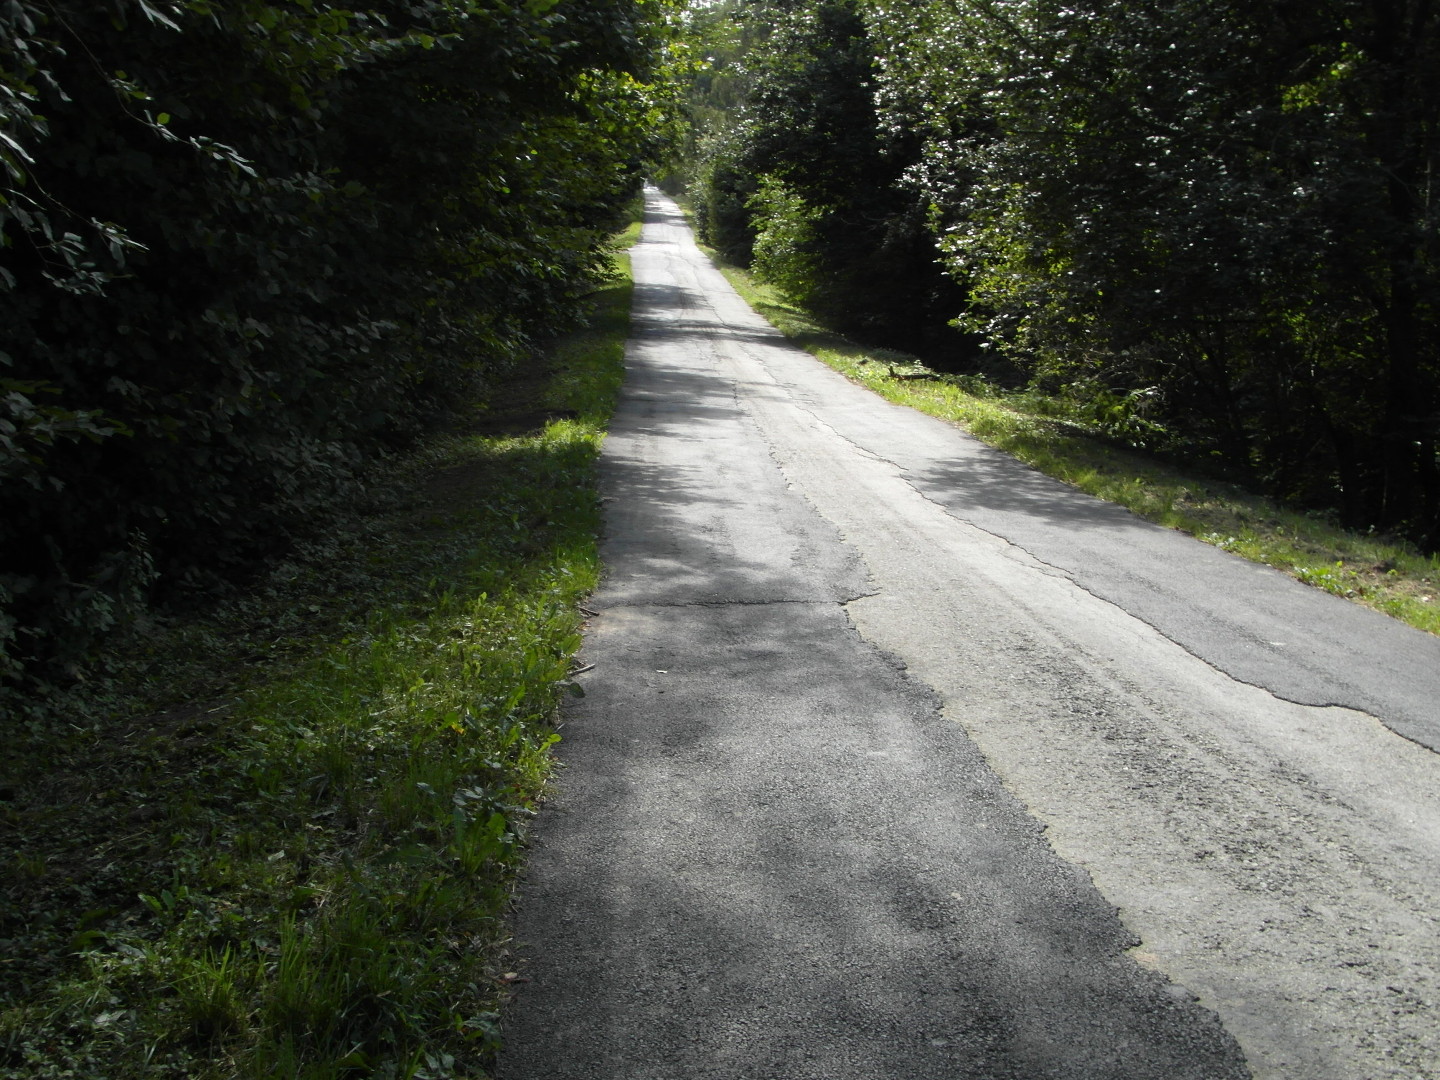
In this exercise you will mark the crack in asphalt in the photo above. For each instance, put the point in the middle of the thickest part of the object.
(711, 909)
(1016, 551)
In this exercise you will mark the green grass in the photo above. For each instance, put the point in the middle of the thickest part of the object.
(1386, 575)
(298, 865)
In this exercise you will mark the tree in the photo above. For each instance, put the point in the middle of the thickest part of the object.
(249, 246)
(806, 182)
(1217, 210)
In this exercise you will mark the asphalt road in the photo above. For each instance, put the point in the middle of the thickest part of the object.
(899, 760)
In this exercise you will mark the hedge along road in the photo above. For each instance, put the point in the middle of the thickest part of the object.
(899, 760)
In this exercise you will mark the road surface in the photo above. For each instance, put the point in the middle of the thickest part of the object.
(899, 760)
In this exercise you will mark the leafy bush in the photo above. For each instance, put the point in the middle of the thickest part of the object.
(785, 240)
(1221, 201)
(248, 247)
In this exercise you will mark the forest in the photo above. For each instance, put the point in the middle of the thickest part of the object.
(272, 741)
(1211, 227)
(250, 247)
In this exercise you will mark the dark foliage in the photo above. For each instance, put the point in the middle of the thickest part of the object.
(807, 185)
(248, 246)
(1216, 218)
(1212, 226)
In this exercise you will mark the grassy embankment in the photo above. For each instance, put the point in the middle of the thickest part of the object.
(306, 875)
(1385, 575)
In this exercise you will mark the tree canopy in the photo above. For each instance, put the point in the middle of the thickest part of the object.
(245, 247)
(1215, 222)
(248, 245)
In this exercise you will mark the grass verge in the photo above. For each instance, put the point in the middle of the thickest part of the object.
(305, 876)
(1385, 575)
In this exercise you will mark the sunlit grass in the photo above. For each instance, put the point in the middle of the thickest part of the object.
(306, 875)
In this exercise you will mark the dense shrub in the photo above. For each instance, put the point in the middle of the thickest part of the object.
(1223, 208)
(1208, 225)
(250, 245)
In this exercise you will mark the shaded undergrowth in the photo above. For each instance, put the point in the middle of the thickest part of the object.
(283, 843)
(1061, 441)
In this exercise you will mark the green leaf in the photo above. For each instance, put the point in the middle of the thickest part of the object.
(157, 16)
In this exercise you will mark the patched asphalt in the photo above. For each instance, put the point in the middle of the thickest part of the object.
(771, 853)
